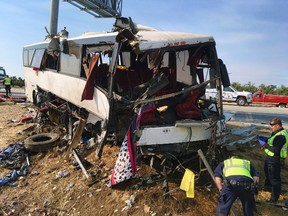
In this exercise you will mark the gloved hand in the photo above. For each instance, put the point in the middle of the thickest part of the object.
(265, 139)
(261, 141)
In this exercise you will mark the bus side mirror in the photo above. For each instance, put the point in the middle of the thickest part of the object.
(224, 74)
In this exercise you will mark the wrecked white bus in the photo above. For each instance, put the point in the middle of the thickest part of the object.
(155, 78)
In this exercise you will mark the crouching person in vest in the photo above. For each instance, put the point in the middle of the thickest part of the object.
(276, 152)
(236, 178)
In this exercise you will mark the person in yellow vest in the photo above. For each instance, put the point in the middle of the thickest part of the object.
(276, 152)
(7, 82)
(236, 178)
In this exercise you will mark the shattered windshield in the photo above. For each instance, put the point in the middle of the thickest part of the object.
(2, 72)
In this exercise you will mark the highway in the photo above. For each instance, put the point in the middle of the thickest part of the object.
(256, 114)
(17, 92)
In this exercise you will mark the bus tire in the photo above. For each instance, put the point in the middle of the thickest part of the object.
(41, 142)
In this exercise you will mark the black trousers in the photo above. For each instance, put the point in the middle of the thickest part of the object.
(273, 179)
(229, 195)
(8, 90)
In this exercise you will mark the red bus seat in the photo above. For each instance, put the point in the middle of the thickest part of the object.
(121, 79)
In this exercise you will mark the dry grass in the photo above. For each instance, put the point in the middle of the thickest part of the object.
(40, 193)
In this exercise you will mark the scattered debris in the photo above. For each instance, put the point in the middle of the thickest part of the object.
(26, 119)
(11, 177)
(243, 131)
(62, 174)
(4, 98)
(61, 196)
(13, 156)
(129, 203)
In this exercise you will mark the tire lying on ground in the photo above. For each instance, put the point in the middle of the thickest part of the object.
(41, 142)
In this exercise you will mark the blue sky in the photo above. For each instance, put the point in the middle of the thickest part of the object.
(251, 35)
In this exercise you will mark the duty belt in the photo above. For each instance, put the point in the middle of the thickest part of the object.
(246, 185)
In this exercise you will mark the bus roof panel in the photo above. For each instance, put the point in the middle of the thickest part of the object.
(147, 39)
(160, 39)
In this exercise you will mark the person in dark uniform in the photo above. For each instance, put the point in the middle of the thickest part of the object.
(7, 82)
(236, 178)
(276, 152)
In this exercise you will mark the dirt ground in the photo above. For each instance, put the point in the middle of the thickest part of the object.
(44, 191)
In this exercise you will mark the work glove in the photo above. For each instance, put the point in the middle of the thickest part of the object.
(261, 141)
(263, 138)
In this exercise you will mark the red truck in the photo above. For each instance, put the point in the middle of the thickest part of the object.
(270, 99)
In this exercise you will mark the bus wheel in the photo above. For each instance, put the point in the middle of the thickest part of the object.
(41, 142)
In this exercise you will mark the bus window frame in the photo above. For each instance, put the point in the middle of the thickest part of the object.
(37, 58)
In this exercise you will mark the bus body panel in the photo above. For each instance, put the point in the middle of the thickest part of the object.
(180, 133)
(60, 84)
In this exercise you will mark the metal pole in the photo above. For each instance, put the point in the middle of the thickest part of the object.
(80, 163)
(54, 9)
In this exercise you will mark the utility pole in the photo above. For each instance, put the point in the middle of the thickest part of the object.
(97, 8)
(54, 10)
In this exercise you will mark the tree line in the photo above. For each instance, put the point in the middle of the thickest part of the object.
(267, 89)
(17, 81)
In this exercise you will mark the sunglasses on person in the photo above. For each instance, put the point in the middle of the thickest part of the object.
(271, 124)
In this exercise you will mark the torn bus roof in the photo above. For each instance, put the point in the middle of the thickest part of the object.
(146, 40)
(152, 39)
(159, 39)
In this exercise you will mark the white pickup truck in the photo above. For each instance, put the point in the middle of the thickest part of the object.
(230, 94)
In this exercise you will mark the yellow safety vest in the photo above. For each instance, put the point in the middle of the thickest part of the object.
(236, 167)
(283, 152)
(7, 81)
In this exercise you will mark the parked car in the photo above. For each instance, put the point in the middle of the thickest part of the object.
(270, 99)
(230, 94)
